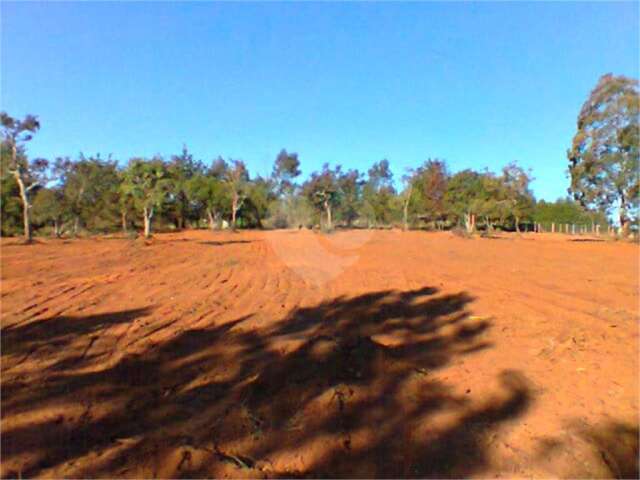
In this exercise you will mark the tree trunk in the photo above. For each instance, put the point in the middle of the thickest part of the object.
(148, 214)
(518, 224)
(234, 210)
(76, 222)
(625, 225)
(123, 216)
(212, 224)
(328, 210)
(487, 223)
(470, 222)
(405, 216)
(405, 209)
(25, 207)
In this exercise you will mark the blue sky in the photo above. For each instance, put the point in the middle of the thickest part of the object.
(478, 84)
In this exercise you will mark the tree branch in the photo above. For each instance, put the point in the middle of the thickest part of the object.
(32, 186)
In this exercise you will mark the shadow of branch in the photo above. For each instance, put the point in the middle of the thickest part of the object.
(345, 388)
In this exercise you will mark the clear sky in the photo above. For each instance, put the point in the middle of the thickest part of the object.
(478, 84)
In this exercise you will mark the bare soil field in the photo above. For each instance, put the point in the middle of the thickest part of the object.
(297, 354)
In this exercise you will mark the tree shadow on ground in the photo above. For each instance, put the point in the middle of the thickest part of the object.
(606, 450)
(347, 388)
(59, 331)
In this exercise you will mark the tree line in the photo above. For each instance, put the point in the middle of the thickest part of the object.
(95, 194)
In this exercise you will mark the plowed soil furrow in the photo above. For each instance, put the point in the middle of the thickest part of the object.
(291, 353)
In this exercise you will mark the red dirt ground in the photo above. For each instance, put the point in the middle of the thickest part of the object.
(358, 354)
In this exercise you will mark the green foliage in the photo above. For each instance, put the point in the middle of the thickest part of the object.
(99, 196)
(10, 207)
(259, 197)
(350, 187)
(29, 175)
(465, 194)
(181, 169)
(377, 194)
(90, 189)
(208, 194)
(147, 182)
(49, 206)
(429, 186)
(567, 211)
(322, 190)
(517, 195)
(603, 159)
(236, 178)
(15, 133)
(285, 169)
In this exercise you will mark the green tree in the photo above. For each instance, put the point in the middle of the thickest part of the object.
(210, 194)
(323, 191)
(377, 194)
(236, 178)
(517, 193)
(260, 196)
(126, 202)
(181, 168)
(285, 170)
(429, 185)
(465, 196)
(407, 196)
(603, 159)
(10, 206)
(567, 211)
(148, 184)
(49, 206)
(350, 187)
(91, 190)
(28, 175)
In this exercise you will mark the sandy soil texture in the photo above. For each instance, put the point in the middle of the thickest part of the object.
(296, 354)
